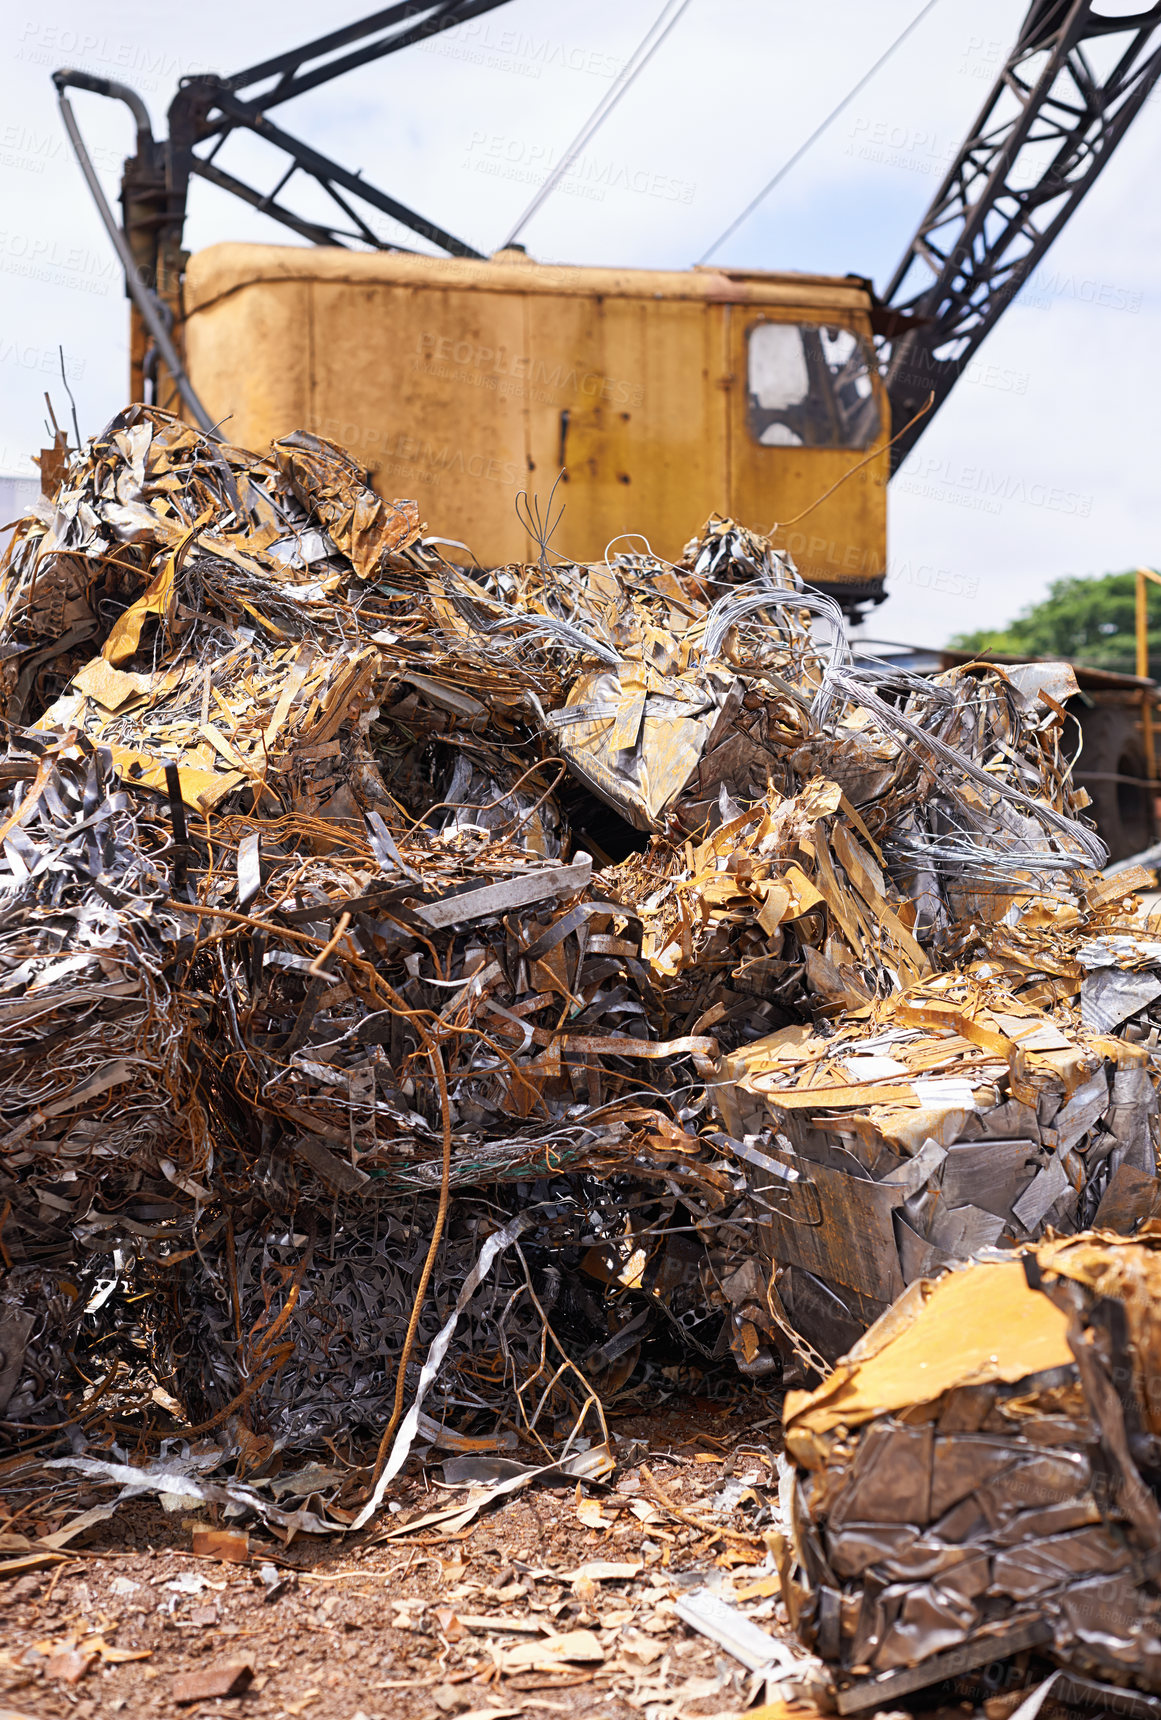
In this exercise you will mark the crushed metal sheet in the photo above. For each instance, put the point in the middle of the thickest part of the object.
(585, 977)
(983, 1462)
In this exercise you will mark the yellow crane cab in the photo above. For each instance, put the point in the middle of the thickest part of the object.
(657, 396)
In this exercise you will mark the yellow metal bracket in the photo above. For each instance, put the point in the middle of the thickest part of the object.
(1145, 574)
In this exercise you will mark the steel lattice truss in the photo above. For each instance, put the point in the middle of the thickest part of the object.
(1046, 130)
(209, 110)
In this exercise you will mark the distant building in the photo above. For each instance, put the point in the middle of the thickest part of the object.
(919, 659)
(18, 491)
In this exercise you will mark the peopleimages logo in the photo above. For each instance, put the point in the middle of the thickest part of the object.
(592, 177)
(24, 150)
(57, 264)
(53, 45)
(984, 489)
(982, 57)
(1044, 285)
(922, 368)
(395, 454)
(43, 358)
(887, 143)
(926, 577)
(480, 42)
(856, 562)
(477, 365)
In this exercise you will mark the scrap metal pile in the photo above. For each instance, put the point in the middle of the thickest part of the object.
(979, 1479)
(599, 937)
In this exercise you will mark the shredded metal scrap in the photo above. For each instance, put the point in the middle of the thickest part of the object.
(355, 903)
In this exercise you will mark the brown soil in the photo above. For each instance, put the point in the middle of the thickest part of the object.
(370, 1627)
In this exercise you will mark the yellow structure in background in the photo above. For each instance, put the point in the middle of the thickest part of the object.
(663, 396)
(1145, 574)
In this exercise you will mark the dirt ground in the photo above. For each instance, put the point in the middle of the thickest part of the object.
(420, 1626)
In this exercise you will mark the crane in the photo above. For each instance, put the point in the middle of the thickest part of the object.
(1046, 130)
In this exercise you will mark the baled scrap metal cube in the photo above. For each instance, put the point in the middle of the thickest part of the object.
(982, 807)
(978, 1477)
(790, 887)
(93, 1072)
(99, 1095)
(256, 721)
(237, 655)
(952, 1118)
(945, 1115)
(325, 1278)
(704, 701)
(120, 524)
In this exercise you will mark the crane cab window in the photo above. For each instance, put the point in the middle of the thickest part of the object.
(809, 386)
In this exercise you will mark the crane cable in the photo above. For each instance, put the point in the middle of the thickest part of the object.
(633, 66)
(817, 132)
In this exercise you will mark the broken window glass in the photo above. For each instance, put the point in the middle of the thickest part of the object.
(809, 386)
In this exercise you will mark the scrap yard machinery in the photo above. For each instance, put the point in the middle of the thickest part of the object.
(657, 396)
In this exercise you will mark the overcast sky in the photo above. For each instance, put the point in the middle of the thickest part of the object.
(1043, 463)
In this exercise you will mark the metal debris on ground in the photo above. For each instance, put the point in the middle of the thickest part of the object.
(979, 1478)
(443, 1004)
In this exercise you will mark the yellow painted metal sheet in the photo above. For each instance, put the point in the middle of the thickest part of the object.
(251, 353)
(644, 444)
(426, 387)
(970, 1328)
(459, 383)
(842, 540)
(219, 270)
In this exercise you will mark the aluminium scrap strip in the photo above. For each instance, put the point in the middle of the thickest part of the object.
(774, 983)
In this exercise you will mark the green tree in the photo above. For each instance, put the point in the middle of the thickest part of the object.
(1089, 621)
